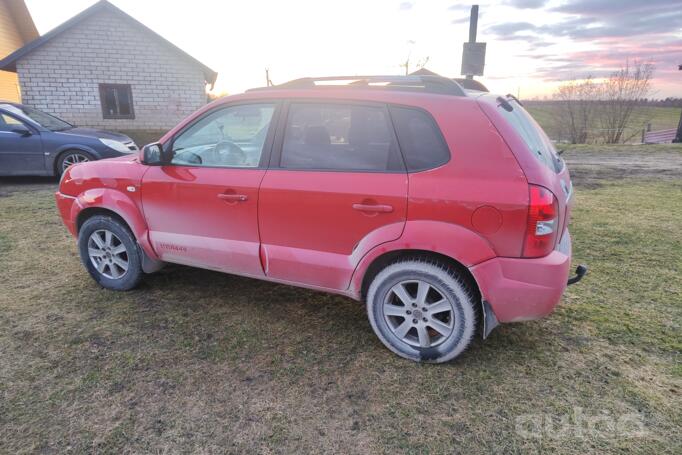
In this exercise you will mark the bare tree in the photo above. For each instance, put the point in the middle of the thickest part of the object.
(618, 97)
(576, 109)
(591, 111)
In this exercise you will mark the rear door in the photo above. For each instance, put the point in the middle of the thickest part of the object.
(336, 186)
(20, 153)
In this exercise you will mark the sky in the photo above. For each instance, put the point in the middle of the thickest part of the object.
(532, 45)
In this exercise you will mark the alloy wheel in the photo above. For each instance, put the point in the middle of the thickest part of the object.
(73, 158)
(108, 254)
(418, 313)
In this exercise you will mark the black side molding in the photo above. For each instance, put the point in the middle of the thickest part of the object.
(580, 272)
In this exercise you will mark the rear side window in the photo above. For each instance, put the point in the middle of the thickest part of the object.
(421, 141)
(339, 137)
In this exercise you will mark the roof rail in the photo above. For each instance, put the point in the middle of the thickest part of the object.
(426, 84)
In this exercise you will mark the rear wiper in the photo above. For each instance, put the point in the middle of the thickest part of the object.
(509, 95)
(504, 104)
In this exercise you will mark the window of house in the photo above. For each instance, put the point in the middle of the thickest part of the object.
(339, 137)
(421, 141)
(117, 101)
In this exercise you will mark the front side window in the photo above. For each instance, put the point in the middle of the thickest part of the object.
(117, 101)
(7, 122)
(420, 139)
(339, 137)
(229, 137)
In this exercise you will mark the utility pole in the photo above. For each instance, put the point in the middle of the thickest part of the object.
(473, 53)
(678, 136)
(268, 82)
(473, 29)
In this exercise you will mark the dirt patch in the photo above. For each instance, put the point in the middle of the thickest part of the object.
(590, 169)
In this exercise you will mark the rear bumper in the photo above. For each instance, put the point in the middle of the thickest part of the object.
(65, 205)
(524, 289)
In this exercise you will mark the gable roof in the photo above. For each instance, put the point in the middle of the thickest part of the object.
(9, 63)
(22, 19)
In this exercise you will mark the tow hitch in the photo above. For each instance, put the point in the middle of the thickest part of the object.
(580, 272)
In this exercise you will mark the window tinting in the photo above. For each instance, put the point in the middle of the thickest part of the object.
(420, 139)
(339, 137)
(117, 101)
(230, 137)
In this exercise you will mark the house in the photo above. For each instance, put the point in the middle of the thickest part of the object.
(16, 29)
(102, 68)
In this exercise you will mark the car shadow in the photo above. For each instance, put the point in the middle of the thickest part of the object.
(12, 184)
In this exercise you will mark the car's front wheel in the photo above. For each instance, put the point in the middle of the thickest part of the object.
(109, 252)
(71, 157)
(423, 311)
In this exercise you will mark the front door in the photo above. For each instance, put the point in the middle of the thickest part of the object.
(201, 209)
(21, 149)
(336, 187)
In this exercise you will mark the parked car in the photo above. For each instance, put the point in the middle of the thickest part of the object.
(33, 142)
(444, 210)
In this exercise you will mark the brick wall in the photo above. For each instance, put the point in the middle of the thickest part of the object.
(62, 77)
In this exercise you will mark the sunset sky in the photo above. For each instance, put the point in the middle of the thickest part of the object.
(532, 44)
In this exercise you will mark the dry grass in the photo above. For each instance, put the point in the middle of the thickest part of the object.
(200, 362)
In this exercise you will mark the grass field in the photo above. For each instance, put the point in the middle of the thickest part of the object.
(661, 118)
(199, 362)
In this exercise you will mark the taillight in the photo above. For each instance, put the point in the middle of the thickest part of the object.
(543, 223)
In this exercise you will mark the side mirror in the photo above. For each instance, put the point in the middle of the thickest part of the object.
(21, 130)
(154, 155)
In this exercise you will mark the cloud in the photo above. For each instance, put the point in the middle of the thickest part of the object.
(404, 6)
(508, 29)
(526, 4)
(609, 7)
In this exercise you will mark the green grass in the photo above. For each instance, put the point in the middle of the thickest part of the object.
(661, 118)
(197, 361)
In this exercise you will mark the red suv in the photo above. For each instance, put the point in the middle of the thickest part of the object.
(445, 209)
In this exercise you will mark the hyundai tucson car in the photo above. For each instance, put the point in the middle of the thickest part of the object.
(33, 142)
(444, 210)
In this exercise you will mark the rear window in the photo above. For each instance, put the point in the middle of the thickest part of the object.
(420, 139)
(531, 133)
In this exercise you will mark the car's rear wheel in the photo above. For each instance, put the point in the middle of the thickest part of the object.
(109, 252)
(71, 157)
(423, 311)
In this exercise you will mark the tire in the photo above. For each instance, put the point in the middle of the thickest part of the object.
(70, 157)
(109, 252)
(442, 323)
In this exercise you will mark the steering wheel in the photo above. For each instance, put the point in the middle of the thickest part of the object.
(188, 157)
(227, 152)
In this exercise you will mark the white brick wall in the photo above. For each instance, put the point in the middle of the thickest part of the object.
(62, 77)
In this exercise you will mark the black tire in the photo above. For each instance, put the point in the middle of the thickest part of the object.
(77, 155)
(449, 297)
(123, 249)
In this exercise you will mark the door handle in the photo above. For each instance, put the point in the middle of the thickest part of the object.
(381, 208)
(233, 197)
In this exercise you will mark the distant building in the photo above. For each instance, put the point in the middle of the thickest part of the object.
(102, 68)
(16, 29)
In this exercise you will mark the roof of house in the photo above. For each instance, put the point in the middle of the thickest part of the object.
(22, 19)
(9, 62)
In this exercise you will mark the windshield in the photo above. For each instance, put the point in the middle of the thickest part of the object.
(532, 134)
(41, 118)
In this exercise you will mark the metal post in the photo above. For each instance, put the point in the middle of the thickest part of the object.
(473, 28)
